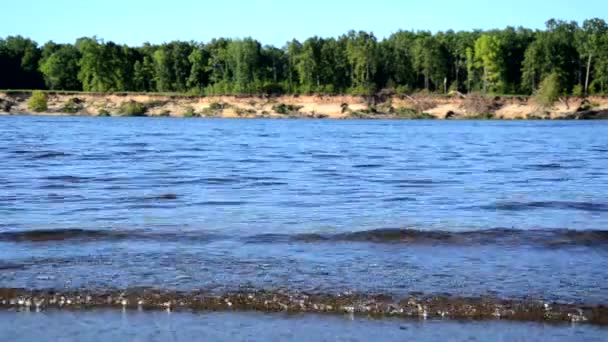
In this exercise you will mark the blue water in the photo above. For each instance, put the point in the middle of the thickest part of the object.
(221, 204)
(141, 326)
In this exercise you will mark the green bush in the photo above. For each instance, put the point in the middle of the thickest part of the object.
(577, 90)
(549, 90)
(243, 111)
(74, 105)
(189, 112)
(38, 102)
(103, 112)
(132, 108)
(217, 106)
(286, 109)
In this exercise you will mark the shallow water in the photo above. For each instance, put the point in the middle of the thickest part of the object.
(511, 210)
(160, 326)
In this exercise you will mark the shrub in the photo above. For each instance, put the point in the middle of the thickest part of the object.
(405, 112)
(156, 103)
(103, 112)
(189, 112)
(242, 111)
(286, 109)
(132, 108)
(410, 113)
(217, 106)
(577, 90)
(549, 90)
(73, 105)
(38, 102)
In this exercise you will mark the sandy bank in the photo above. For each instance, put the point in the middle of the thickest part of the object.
(313, 106)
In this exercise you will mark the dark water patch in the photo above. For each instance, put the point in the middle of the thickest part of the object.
(110, 179)
(547, 238)
(150, 205)
(326, 156)
(47, 235)
(548, 166)
(413, 183)
(84, 235)
(399, 199)
(64, 198)
(58, 186)
(221, 180)
(187, 181)
(68, 179)
(135, 144)
(503, 170)
(258, 178)
(253, 161)
(4, 266)
(367, 166)
(220, 203)
(558, 205)
(375, 305)
(162, 197)
(48, 155)
(552, 180)
(269, 184)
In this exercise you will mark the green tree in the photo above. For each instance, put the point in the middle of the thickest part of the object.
(19, 58)
(489, 59)
(59, 65)
(199, 78)
(430, 61)
(362, 54)
(244, 64)
(592, 45)
(553, 51)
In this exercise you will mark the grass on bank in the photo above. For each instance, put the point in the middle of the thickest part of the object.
(38, 102)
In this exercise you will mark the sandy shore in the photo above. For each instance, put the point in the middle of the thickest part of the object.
(333, 107)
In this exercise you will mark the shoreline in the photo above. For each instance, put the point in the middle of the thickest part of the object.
(433, 107)
(376, 305)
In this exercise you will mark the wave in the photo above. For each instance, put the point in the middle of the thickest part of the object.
(36, 155)
(561, 205)
(95, 235)
(375, 305)
(544, 238)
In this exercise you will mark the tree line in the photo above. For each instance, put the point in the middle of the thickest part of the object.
(507, 61)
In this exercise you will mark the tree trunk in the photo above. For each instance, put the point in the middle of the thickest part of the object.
(485, 80)
(587, 76)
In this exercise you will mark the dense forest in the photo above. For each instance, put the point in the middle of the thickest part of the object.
(507, 61)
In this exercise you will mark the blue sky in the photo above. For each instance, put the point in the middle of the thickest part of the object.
(272, 21)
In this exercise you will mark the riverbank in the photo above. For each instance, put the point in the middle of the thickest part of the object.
(459, 106)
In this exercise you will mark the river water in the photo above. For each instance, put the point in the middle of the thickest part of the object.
(505, 210)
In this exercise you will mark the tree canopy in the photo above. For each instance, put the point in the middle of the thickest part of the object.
(507, 61)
